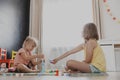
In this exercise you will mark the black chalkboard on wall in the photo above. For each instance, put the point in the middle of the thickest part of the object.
(14, 24)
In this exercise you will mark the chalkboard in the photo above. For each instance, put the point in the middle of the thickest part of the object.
(14, 24)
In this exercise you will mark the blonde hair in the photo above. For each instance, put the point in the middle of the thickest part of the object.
(90, 31)
(29, 40)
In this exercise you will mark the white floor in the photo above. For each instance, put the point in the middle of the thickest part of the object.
(78, 76)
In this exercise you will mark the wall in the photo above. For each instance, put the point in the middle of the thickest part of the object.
(14, 23)
(110, 26)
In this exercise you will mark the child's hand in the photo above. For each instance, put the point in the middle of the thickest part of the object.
(41, 55)
(54, 61)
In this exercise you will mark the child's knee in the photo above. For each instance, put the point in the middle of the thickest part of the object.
(69, 63)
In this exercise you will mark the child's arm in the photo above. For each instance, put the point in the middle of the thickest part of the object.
(34, 62)
(32, 56)
(78, 48)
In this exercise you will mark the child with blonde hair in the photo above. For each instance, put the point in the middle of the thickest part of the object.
(24, 60)
(94, 57)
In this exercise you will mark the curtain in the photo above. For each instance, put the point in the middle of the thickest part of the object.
(35, 23)
(35, 20)
(97, 16)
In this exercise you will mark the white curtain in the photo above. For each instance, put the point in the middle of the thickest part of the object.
(35, 22)
(97, 16)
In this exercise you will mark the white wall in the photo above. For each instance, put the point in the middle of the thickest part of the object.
(63, 21)
(111, 31)
(110, 27)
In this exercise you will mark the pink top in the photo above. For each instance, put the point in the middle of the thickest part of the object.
(19, 59)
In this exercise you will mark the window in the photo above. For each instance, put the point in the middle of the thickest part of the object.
(63, 22)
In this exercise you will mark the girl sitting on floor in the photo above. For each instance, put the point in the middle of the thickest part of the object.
(24, 60)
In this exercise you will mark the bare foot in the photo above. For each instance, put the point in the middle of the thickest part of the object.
(70, 71)
(67, 70)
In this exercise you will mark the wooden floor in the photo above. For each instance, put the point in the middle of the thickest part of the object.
(75, 76)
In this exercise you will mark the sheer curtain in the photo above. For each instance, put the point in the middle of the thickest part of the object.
(97, 16)
(62, 25)
(35, 22)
